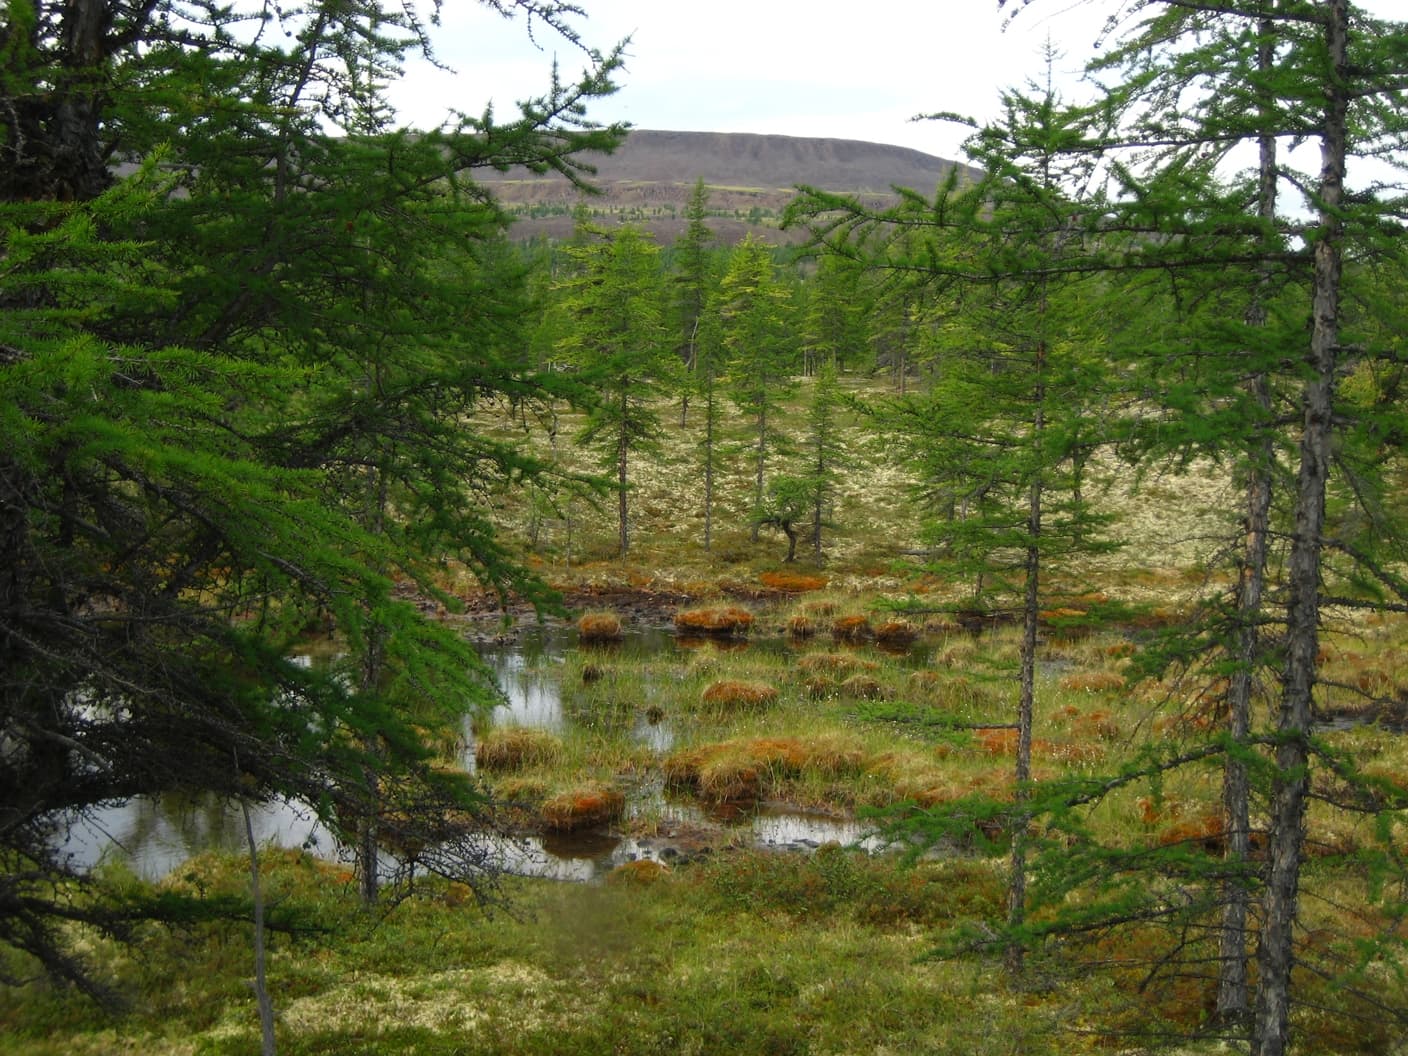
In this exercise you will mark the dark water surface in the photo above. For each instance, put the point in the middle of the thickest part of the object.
(156, 835)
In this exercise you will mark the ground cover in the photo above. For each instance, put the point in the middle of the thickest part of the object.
(863, 688)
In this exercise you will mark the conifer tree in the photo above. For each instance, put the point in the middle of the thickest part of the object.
(618, 345)
(693, 280)
(236, 385)
(751, 316)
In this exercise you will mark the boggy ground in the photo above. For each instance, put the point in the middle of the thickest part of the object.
(745, 951)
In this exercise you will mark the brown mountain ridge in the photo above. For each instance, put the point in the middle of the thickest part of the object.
(750, 179)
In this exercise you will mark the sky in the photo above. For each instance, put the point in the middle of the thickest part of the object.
(852, 70)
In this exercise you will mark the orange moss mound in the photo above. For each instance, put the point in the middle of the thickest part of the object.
(599, 627)
(719, 620)
(792, 582)
(851, 629)
(734, 693)
(583, 809)
(745, 769)
(896, 633)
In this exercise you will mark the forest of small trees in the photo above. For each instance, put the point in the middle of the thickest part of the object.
(244, 321)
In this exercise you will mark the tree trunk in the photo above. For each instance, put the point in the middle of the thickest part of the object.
(762, 461)
(1275, 956)
(1232, 1003)
(709, 464)
(261, 983)
(622, 450)
(1021, 821)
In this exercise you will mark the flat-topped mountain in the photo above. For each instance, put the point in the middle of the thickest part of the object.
(750, 179)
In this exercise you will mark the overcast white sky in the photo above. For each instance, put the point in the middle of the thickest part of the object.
(852, 70)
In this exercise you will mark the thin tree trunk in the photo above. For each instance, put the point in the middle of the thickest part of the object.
(762, 460)
(1275, 954)
(261, 984)
(1232, 1000)
(622, 450)
(368, 835)
(709, 464)
(1021, 822)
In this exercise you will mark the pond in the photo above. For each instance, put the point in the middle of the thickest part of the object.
(155, 835)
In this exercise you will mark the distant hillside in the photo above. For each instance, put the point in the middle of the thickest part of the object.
(750, 180)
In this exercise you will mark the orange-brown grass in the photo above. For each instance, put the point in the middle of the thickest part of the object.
(957, 691)
(863, 687)
(1096, 724)
(719, 620)
(638, 873)
(1003, 741)
(792, 582)
(746, 768)
(1093, 682)
(1206, 831)
(516, 748)
(851, 629)
(833, 664)
(800, 625)
(896, 633)
(731, 694)
(582, 808)
(599, 627)
(819, 687)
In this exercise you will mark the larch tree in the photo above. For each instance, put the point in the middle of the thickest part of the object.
(619, 347)
(692, 277)
(750, 314)
(242, 323)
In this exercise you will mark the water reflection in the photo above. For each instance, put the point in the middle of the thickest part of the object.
(155, 834)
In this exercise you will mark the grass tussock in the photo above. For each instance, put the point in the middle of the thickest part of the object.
(731, 694)
(896, 633)
(600, 627)
(582, 809)
(799, 626)
(852, 629)
(1093, 682)
(751, 768)
(514, 748)
(714, 620)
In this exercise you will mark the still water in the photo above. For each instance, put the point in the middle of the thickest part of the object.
(153, 836)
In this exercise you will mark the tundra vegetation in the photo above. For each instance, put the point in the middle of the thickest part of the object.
(1105, 639)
